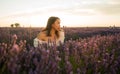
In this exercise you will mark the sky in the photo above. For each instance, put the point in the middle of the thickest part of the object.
(73, 13)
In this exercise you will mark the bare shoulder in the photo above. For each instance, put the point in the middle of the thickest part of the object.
(41, 35)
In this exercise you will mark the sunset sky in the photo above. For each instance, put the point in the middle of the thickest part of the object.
(73, 13)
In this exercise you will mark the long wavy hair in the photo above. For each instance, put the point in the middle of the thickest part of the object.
(48, 28)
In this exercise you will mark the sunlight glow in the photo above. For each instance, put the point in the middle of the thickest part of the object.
(79, 13)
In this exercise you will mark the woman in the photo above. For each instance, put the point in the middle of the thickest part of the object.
(51, 34)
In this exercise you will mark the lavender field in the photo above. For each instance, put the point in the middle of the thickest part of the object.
(85, 51)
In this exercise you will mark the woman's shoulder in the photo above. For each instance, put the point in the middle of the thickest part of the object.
(41, 35)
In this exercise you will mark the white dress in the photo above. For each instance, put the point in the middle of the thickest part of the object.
(58, 41)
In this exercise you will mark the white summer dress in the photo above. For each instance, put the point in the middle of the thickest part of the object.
(58, 41)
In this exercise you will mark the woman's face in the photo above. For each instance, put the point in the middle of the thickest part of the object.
(56, 25)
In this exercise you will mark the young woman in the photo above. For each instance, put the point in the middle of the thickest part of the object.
(51, 34)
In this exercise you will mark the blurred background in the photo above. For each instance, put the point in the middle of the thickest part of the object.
(73, 13)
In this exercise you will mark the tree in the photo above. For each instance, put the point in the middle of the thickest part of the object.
(17, 24)
(12, 25)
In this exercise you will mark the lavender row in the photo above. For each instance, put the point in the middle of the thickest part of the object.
(30, 33)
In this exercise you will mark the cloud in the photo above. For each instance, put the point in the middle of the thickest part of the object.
(78, 7)
(105, 7)
(91, 7)
(109, 9)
